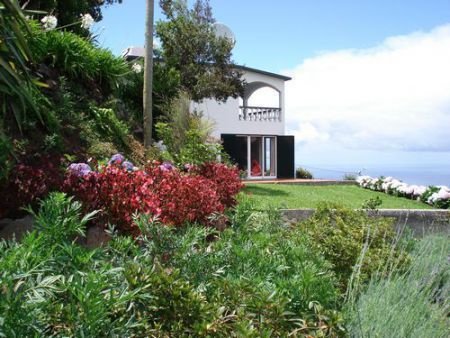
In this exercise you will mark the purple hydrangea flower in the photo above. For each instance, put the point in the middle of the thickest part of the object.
(128, 165)
(80, 169)
(166, 166)
(116, 159)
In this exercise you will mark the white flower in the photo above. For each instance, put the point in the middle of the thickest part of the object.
(433, 198)
(419, 190)
(395, 184)
(49, 22)
(137, 68)
(86, 21)
(406, 189)
(160, 145)
(444, 188)
(443, 194)
(362, 179)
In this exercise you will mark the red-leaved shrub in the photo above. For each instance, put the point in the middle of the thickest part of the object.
(161, 190)
(184, 198)
(116, 192)
(30, 181)
(226, 180)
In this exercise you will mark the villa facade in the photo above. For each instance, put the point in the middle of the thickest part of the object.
(252, 134)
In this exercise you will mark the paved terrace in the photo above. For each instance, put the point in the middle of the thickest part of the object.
(299, 181)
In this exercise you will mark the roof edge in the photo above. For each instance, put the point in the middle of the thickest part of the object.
(278, 76)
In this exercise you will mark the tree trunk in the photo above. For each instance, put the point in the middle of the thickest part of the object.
(148, 75)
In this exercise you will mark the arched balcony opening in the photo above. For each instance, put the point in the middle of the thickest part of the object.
(261, 102)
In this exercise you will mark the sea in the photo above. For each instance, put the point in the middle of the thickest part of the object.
(422, 174)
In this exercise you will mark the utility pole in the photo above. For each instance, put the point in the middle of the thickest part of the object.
(148, 75)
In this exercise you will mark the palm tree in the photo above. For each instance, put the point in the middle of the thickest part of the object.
(148, 75)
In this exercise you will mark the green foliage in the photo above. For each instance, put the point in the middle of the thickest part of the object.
(59, 212)
(255, 279)
(372, 203)
(129, 97)
(348, 238)
(53, 142)
(264, 277)
(5, 156)
(16, 82)
(410, 304)
(102, 150)
(187, 136)
(303, 173)
(108, 126)
(78, 60)
(79, 78)
(68, 11)
(190, 46)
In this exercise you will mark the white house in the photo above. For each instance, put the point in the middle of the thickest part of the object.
(252, 134)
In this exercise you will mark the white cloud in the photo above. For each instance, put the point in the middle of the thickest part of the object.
(395, 96)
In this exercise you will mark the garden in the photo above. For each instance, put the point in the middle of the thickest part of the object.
(295, 196)
(188, 250)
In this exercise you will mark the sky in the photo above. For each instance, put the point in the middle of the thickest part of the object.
(370, 78)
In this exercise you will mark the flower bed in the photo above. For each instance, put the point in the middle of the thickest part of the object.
(437, 196)
(177, 197)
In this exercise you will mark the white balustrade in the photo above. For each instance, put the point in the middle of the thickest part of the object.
(247, 113)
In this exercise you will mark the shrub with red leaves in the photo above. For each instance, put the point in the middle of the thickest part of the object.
(184, 198)
(29, 182)
(226, 179)
(116, 192)
(161, 190)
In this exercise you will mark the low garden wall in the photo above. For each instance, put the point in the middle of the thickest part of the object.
(418, 220)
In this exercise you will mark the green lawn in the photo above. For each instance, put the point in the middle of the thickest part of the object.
(308, 196)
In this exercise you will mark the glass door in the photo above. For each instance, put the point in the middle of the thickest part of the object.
(256, 158)
(269, 156)
(261, 156)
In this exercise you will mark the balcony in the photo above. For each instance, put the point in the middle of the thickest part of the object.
(248, 113)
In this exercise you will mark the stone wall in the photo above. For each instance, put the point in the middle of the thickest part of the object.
(419, 221)
(9, 229)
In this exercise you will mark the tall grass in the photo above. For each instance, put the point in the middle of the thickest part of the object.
(409, 304)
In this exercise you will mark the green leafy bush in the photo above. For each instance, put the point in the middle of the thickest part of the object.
(16, 80)
(348, 238)
(108, 126)
(78, 59)
(194, 147)
(255, 279)
(102, 150)
(258, 267)
(5, 156)
(303, 173)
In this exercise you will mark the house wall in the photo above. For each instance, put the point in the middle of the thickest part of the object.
(225, 116)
